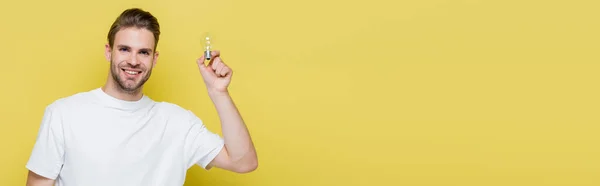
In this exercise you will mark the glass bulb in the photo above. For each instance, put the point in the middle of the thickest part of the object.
(207, 46)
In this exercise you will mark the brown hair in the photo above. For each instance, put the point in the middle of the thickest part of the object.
(134, 17)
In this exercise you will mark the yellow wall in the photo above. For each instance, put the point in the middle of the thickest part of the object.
(461, 92)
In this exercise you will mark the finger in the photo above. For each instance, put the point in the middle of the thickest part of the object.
(226, 71)
(215, 54)
(204, 69)
(211, 63)
(220, 68)
(217, 61)
(200, 60)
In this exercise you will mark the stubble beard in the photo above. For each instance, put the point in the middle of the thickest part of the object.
(123, 85)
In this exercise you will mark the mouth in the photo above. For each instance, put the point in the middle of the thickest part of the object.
(131, 72)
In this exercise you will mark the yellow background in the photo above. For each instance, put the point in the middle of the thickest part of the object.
(462, 92)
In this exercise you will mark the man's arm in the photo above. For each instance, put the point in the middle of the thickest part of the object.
(47, 155)
(239, 154)
(34, 179)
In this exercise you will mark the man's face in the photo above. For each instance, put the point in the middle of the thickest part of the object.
(131, 58)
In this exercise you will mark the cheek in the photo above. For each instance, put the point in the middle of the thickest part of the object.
(146, 61)
(117, 58)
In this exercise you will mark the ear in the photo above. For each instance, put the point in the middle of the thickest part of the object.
(155, 58)
(107, 52)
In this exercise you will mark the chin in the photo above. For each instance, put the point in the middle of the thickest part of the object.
(128, 82)
(129, 85)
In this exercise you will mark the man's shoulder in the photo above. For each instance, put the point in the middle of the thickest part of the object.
(70, 100)
(172, 108)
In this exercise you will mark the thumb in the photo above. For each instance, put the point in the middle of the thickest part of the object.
(204, 69)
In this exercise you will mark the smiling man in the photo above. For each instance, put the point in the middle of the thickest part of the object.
(116, 135)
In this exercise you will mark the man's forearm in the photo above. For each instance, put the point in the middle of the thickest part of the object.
(235, 133)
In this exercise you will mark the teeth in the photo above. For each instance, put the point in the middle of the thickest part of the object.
(131, 72)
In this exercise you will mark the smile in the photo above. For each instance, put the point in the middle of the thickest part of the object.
(131, 72)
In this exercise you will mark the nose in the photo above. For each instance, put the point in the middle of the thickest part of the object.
(133, 61)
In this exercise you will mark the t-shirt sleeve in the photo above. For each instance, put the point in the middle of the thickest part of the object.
(202, 145)
(47, 156)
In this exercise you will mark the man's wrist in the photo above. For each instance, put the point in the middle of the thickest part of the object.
(215, 94)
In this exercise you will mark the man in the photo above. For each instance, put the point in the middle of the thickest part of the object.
(116, 135)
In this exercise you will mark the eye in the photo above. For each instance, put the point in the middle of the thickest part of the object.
(123, 49)
(144, 52)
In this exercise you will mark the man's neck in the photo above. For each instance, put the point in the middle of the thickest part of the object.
(112, 90)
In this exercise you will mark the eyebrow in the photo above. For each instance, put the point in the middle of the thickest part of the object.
(143, 49)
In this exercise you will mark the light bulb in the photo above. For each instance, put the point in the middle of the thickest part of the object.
(207, 46)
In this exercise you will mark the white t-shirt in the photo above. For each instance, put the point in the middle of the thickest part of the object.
(92, 138)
